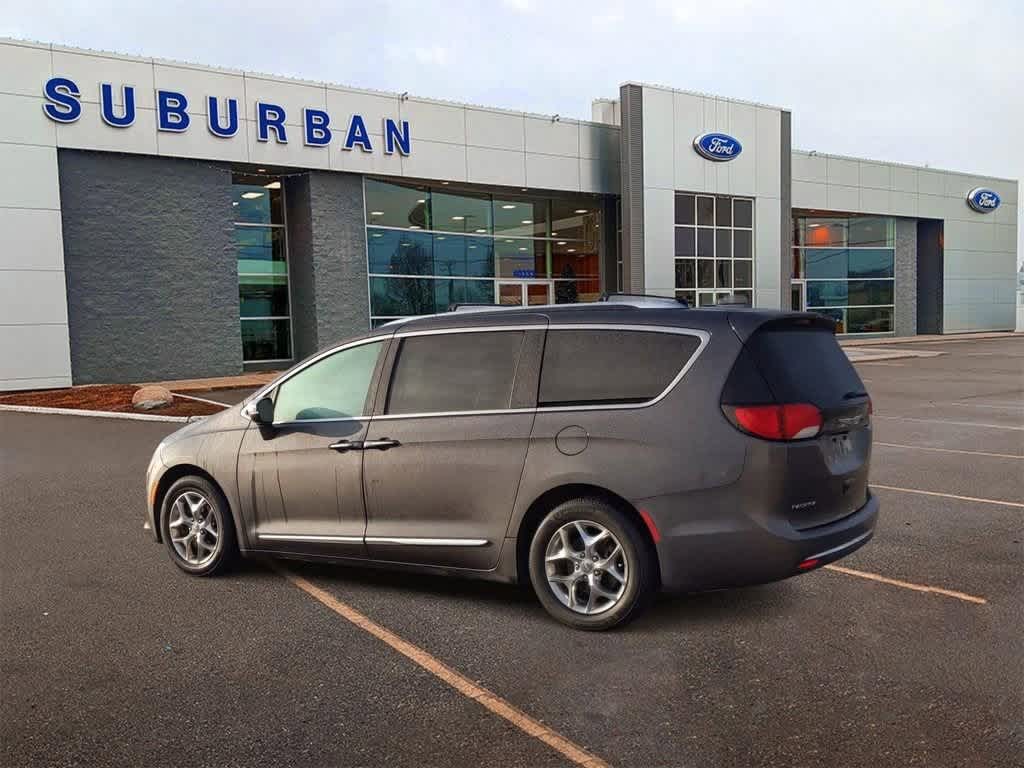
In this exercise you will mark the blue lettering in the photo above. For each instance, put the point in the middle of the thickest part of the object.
(357, 134)
(107, 106)
(62, 100)
(317, 133)
(270, 116)
(213, 118)
(392, 137)
(170, 111)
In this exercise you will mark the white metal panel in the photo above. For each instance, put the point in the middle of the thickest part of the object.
(875, 175)
(495, 130)
(904, 179)
(808, 167)
(767, 242)
(599, 141)
(90, 132)
(374, 108)
(495, 166)
(902, 203)
(599, 176)
(659, 133)
(35, 168)
(550, 137)
(25, 68)
(30, 239)
(809, 194)
(34, 356)
(292, 153)
(435, 122)
(197, 84)
(688, 114)
(32, 297)
(551, 172)
(1004, 238)
(89, 70)
(931, 182)
(24, 121)
(357, 161)
(198, 142)
(843, 172)
(875, 201)
(843, 198)
(767, 154)
(768, 298)
(436, 160)
(292, 96)
(659, 241)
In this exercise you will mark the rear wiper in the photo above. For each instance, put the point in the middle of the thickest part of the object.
(853, 394)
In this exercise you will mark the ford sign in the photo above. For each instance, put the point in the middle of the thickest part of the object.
(983, 200)
(717, 146)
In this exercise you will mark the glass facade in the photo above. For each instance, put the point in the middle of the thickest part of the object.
(847, 265)
(432, 246)
(714, 248)
(263, 296)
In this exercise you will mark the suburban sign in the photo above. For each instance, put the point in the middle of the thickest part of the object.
(983, 200)
(63, 105)
(717, 146)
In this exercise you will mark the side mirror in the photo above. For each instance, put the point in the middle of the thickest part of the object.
(262, 411)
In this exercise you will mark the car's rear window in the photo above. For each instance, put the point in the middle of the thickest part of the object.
(601, 367)
(804, 365)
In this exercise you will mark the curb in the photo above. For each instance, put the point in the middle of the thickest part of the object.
(225, 406)
(99, 414)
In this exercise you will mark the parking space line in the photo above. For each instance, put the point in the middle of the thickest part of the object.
(908, 585)
(949, 495)
(495, 704)
(953, 423)
(1000, 407)
(951, 450)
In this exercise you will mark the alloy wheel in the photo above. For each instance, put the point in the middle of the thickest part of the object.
(194, 528)
(586, 567)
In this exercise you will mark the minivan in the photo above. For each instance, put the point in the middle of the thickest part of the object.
(600, 452)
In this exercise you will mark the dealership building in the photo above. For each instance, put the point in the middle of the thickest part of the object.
(165, 220)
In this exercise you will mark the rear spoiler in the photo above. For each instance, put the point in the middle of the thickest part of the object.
(745, 324)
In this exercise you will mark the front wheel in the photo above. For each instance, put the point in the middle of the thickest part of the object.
(197, 528)
(591, 565)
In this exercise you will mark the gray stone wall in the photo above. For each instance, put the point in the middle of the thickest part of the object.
(906, 277)
(152, 280)
(327, 253)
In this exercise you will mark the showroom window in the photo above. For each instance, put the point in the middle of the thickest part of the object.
(714, 248)
(845, 267)
(263, 294)
(430, 246)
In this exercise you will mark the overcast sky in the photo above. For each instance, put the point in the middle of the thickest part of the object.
(939, 82)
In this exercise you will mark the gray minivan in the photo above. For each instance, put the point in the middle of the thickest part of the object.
(600, 452)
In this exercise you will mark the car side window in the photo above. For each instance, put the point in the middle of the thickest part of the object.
(455, 372)
(610, 367)
(335, 387)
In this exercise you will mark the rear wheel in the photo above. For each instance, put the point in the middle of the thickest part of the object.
(197, 528)
(591, 565)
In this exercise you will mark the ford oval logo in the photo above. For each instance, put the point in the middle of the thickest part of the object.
(717, 146)
(983, 200)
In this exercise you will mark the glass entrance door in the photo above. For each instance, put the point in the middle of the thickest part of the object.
(798, 300)
(524, 293)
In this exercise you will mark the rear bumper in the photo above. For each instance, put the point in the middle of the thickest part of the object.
(736, 549)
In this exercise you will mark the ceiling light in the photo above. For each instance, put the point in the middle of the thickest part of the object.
(458, 218)
(472, 247)
(522, 249)
(524, 189)
(414, 226)
(421, 200)
(444, 183)
(508, 206)
(376, 234)
(572, 250)
(234, 202)
(272, 185)
(581, 210)
(554, 234)
(814, 225)
(561, 242)
(251, 195)
(261, 170)
(510, 241)
(376, 213)
(527, 221)
(406, 245)
(481, 230)
(440, 237)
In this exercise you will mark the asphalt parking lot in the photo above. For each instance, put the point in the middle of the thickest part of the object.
(911, 655)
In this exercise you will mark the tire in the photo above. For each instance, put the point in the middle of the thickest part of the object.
(625, 570)
(210, 545)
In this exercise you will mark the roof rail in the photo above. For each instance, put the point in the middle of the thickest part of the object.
(644, 300)
(480, 307)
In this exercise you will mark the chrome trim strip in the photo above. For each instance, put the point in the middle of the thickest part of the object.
(841, 547)
(419, 542)
(309, 538)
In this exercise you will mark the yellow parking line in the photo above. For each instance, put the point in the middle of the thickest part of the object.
(952, 450)
(908, 585)
(495, 704)
(950, 495)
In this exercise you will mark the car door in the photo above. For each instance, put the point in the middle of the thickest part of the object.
(447, 443)
(301, 478)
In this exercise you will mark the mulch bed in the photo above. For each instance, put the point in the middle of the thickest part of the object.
(105, 397)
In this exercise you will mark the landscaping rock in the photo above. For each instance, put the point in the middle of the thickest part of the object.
(148, 398)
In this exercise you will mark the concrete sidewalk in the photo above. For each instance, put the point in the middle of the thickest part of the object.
(932, 338)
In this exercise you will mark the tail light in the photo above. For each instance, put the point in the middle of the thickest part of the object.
(791, 421)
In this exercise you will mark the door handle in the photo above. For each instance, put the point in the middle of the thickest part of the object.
(381, 445)
(342, 446)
